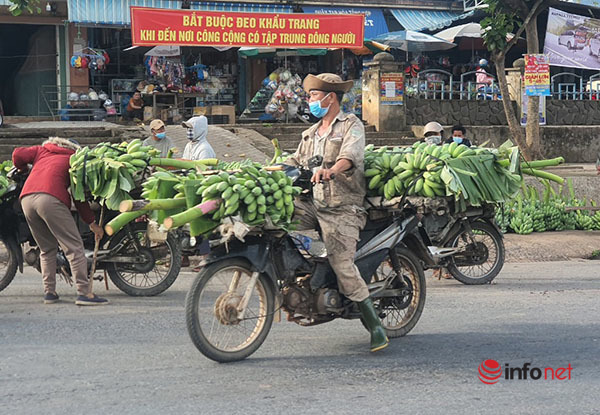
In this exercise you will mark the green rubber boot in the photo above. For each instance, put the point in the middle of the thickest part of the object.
(378, 338)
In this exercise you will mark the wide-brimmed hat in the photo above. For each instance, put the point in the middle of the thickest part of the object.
(327, 82)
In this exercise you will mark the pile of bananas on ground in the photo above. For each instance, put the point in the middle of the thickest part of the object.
(5, 167)
(109, 171)
(529, 212)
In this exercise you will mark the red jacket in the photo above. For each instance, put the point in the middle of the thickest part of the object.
(50, 174)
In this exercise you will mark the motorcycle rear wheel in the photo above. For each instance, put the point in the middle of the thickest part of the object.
(211, 316)
(138, 283)
(488, 250)
(399, 315)
(8, 264)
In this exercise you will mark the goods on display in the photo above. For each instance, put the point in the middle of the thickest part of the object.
(89, 58)
(168, 69)
(531, 212)
(352, 101)
(281, 96)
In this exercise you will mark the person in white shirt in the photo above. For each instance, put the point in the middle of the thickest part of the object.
(198, 148)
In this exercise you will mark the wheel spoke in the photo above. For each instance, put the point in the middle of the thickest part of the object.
(398, 313)
(159, 272)
(217, 310)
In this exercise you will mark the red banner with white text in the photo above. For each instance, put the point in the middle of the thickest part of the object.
(152, 27)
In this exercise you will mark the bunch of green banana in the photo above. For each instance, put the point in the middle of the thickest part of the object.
(537, 215)
(236, 165)
(417, 169)
(585, 221)
(521, 222)
(547, 213)
(252, 193)
(5, 167)
(108, 171)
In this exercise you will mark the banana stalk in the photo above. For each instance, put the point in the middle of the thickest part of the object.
(121, 220)
(156, 204)
(189, 215)
(182, 164)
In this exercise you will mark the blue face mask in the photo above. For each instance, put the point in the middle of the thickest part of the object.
(316, 109)
(457, 140)
(160, 136)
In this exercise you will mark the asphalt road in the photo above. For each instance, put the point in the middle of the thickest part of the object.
(134, 356)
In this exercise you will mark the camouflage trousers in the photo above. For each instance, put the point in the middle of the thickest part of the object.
(340, 227)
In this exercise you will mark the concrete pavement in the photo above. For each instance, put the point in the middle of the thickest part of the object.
(135, 357)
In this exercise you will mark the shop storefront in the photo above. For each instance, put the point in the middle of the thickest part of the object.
(31, 58)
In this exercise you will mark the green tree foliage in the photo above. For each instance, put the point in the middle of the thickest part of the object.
(19, 6)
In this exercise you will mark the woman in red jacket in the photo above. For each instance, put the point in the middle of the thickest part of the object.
(46, 203)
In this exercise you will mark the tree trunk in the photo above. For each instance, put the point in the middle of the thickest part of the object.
(513, 122)
(532, 129)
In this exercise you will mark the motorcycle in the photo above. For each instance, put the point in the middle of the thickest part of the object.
(135, 263)
(233, 301)
(468, 244)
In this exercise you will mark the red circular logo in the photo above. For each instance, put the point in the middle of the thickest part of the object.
(489, 372)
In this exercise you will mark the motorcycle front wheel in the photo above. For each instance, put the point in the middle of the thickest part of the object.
(399, 314)
(212, 315)
(8, 264)
(159, 270)
(481, 257)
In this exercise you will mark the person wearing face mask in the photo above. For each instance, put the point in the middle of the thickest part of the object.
(339, 190)
(159, 139)
(198, 148)
(458, 136)
(433, 133)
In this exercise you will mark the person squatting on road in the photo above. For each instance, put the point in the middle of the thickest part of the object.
(198, 148)
(46, 203)
(336, 205)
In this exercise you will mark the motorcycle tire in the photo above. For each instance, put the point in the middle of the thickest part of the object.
(8, 264)
(216, 314)
(131, 286)
(416, 281)
(460, 273)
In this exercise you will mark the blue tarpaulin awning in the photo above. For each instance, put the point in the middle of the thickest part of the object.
(116, 12)
(374, 21)
(419, 20)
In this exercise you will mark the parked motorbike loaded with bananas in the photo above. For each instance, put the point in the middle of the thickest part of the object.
(244, 284)
(136, 264)
(461, 237)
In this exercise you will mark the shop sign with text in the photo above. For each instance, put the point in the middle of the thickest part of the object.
(537, 75)
(152, 27)
(392, 89)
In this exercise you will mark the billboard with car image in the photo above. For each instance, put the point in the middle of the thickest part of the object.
(572, 40)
